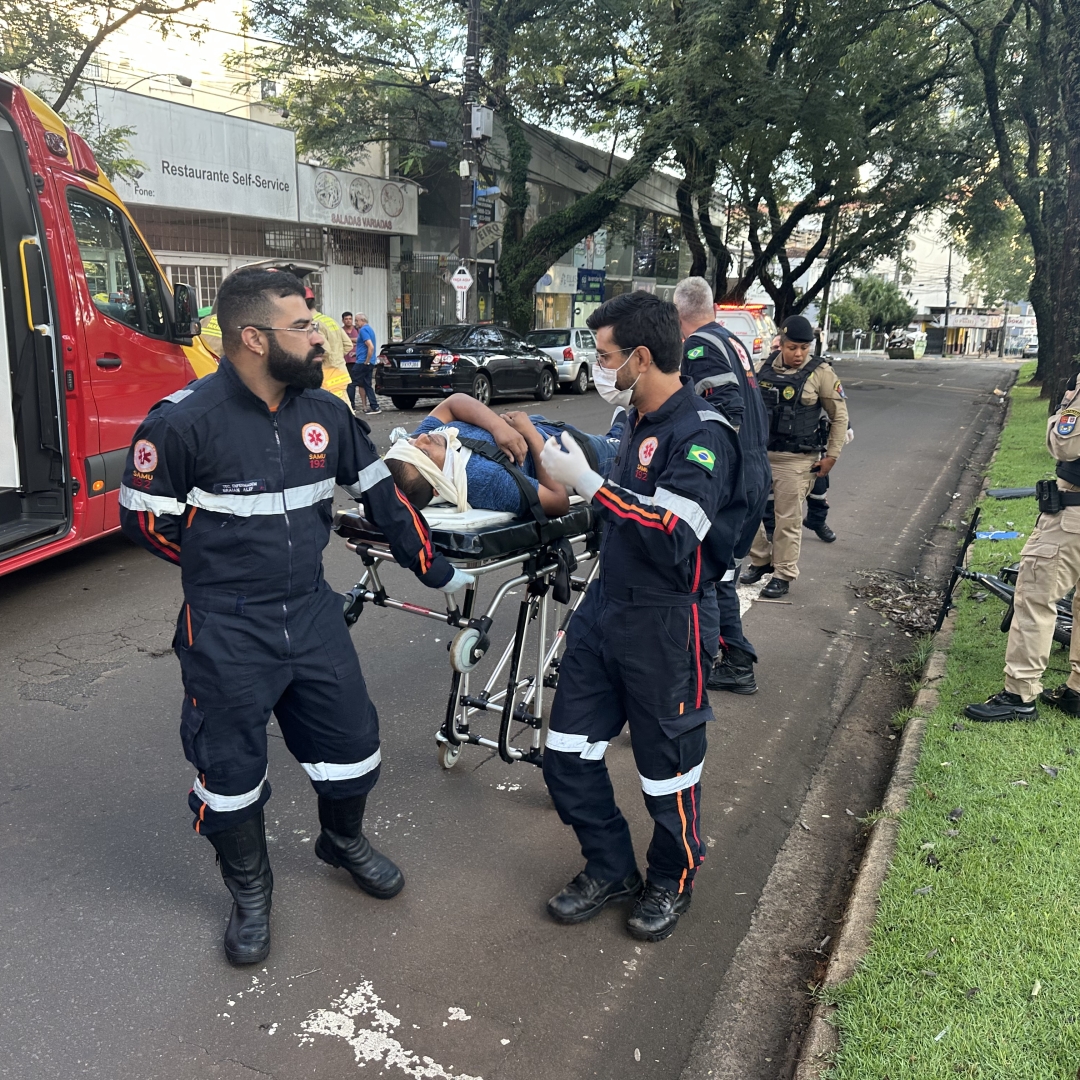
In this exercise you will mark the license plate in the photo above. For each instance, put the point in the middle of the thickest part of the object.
(409, 363)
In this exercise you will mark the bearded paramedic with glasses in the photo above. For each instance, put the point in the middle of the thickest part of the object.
(672, 506)
(232, 479)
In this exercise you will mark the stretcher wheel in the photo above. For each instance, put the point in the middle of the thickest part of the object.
(449, 754)
(465, 650)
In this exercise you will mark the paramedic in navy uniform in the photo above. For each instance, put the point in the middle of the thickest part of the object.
(232, 479)
(672, 510)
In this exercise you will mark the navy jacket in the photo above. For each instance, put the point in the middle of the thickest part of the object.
(673, 505)
(241, 498)
(718, 365)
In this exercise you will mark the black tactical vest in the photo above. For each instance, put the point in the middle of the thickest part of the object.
(794, 428)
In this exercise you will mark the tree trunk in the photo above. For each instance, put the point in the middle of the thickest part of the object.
(699, 260)
(1065, 292)
(524, 261)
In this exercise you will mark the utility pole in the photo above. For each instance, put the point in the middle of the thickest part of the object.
(467, 169)
(948, 299)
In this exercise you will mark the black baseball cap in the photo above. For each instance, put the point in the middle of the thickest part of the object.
(797, 328)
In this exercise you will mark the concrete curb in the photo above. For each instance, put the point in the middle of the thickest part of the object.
(821, 1041)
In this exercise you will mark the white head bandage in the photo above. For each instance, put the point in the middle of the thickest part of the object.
(450, 483)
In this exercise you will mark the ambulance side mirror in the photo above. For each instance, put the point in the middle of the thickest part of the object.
(185, 319)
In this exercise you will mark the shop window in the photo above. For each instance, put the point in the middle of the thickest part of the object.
(645, 244)
(666, 247)
(620, 244)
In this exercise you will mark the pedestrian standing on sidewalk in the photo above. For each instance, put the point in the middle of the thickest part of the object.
(1049, 568)
(717, 364)
(232, 479)
(366, 362)
(795, 389)
(353, 333)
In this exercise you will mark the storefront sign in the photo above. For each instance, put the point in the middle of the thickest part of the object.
(590, 284)
(352, 201)
(970, 322)
(558, 279)
(199, 160)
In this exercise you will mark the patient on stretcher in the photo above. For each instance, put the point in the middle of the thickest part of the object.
(433, 464)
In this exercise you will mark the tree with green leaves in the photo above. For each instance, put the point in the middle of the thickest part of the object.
(353, 75)
(57, 40)
(1022, 64)
(823, 136)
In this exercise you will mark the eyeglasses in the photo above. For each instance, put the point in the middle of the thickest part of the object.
(309, 329)
(602, 356)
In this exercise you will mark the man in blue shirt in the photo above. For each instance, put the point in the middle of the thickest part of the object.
(489, 485)
(363, 368)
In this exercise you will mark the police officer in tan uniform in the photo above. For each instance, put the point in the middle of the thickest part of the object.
(795, 388)
(1049, 567)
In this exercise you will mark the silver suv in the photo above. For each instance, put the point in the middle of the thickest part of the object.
(574, 353)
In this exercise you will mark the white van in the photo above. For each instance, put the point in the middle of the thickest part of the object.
(751, 325)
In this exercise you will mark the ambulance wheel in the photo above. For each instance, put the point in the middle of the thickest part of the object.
(464, 655)
(448, 754)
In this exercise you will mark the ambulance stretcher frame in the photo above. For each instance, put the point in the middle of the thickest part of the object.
(484, 542)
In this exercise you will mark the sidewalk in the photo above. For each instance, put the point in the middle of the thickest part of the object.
(974, 966)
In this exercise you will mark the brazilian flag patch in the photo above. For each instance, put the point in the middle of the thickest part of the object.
(705, 458)
(696, 353)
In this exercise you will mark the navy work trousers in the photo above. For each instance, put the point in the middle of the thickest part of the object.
(817, 503)
(361, 375)
(635, 660)
(295, 659)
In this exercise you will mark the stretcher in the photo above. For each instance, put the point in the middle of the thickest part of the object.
(552, 562)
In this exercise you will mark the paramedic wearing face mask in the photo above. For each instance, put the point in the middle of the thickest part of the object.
(672, 510)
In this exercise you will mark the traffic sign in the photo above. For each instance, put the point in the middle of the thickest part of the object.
(462, 279)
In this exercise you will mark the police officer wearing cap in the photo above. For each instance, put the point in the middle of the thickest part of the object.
(1049, 568)
(718, 365)
(672, 508)
(795, 389)
(232, 479)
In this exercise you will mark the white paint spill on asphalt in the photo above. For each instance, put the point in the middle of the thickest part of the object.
(373, 1043)
(458, 1014)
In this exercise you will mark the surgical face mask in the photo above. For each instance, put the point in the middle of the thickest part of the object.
(604, 381)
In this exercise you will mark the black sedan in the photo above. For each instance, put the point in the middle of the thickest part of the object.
(482, 361)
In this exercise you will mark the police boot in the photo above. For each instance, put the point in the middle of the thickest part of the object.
(586, 896)
(775, 587)
(734, 672)
(342, 843)
(1002, 706)
(656, 913)
(1062, 697)
(753, 574)
(823, 531)
(245, 869)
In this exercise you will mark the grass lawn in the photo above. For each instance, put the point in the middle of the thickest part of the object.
(974, 969)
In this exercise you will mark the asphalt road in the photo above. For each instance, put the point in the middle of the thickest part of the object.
(112, 908)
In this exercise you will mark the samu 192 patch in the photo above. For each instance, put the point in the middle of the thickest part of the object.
(702, 456)
(1066, 424)
(696, 353)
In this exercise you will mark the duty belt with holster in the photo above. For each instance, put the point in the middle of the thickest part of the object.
(794, 428)
(1052, 500)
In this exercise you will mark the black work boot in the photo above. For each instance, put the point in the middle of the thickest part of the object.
(1002, 706)
(753, 574)
(656, 912)
(1064, 698)
(823, 531)
(245, 869)
(734, 671)
(342, 843)
(775, 587)
(585, 897)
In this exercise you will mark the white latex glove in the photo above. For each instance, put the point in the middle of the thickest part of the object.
(458, 582)
(849, 435)
(569, 466)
